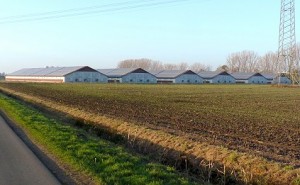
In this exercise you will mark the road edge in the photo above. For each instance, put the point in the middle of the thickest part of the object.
(49, 163)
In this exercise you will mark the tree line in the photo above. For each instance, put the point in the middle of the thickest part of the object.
(249, 61)
(153, 65)
(243, 61)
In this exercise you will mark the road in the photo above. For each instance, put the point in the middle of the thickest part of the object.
(18, 164)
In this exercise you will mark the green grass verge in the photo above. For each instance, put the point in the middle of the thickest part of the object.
(105, 161)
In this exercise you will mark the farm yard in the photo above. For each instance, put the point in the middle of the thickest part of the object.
(259, 120)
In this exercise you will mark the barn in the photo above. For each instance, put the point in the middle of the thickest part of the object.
(249, 78)
(57, 75)
(177, 76)
(269, 77)
(217, 77)
(282, 79)
(128, 75)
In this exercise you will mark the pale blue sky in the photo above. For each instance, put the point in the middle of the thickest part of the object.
(205, 31)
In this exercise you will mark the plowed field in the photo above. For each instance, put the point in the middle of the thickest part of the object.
(260, 120)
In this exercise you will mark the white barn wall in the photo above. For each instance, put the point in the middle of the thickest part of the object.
(115, 80)
(165, 80)
(241, 81)
(35, 79)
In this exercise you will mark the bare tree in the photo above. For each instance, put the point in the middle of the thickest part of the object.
(156, 65)
(223, 68)
(233, 62)
(245, 61)
(170, 67)
(252, 59)
(298, 56)
(182, 66)
(149, 64)
(269, 63)
(198, 67)
(137, 63)
(286, 66)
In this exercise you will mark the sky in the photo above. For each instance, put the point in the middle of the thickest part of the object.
(191, 31)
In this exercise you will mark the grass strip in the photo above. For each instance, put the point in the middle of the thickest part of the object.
(106, 162)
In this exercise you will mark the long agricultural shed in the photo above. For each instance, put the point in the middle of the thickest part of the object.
(250, 78)
(177, 76)
(217, 77)
(57, 75)
(86, 74)
(128, 75)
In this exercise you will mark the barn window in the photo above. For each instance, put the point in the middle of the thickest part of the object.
(188, 81)
(218, 81)
(148, 80)
(131, 80)
(196, 81)
(96, 80)
(76, 80)
(182, 81)
(141, 80)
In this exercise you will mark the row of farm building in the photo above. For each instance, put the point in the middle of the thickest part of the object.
(138, 75)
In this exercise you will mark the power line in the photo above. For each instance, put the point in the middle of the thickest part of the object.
(113, 7)
(73, 10)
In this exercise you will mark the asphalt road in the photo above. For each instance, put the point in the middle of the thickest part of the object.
(18, 165)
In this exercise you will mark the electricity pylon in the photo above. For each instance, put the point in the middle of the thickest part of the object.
(287, 50)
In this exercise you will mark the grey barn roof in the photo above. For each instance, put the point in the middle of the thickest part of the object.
(268, 76)
(120, 72)
(105, 71)
(212, 74)
(173, 73)
(155, 72)
(50, 71)
(244, 76)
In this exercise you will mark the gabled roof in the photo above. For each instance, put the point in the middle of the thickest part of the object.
(50, 71)
(120, 72)
(212, 74)
(173, 73)
(244, 76)
(268, 76)
(155, 72)
(105, 71)
(25, 72)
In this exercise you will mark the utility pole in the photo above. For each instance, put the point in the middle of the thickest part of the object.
(287, 51)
